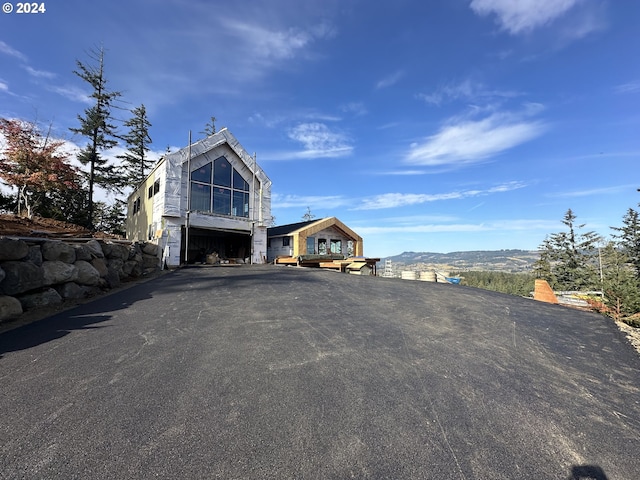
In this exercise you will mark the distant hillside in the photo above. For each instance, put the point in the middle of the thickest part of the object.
(496, 260)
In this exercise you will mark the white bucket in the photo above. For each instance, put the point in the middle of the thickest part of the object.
(408, 275)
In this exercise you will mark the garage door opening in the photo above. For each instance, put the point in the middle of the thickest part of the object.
(228, 245)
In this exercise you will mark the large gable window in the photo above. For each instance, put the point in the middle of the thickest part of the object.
(219, 188)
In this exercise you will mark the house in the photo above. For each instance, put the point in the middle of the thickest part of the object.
(208, 198)
(313, 240)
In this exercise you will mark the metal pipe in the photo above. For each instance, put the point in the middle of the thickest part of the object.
(186, 224)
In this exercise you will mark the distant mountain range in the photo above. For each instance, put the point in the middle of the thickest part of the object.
(496, 260)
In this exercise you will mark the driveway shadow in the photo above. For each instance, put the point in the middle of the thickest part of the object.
(587, 472)
(81, 317)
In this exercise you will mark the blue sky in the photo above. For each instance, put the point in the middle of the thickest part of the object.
(423, 125)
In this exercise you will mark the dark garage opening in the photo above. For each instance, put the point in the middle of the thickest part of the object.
(228, 245)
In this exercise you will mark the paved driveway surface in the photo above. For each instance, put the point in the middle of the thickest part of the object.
(276, 372)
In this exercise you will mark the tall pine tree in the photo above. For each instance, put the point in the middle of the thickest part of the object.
(135, 159)
(568, 260)
(629, 238)
(97, 127)
(210, 127)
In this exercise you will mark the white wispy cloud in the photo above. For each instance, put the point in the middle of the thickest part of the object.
(38, 73)
(356, 108)
(252, 49)
(464, 90)
(302, 201)
(523, 16)
(390, 80)
(393, 200)
(268, 44)
(73, 93)
(597, 191)
(4, 87)
(318, 142)
(12, 52)
(464, 141)
(517, 225)
(629, 87)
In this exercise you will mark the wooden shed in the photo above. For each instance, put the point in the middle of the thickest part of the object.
(327, 238)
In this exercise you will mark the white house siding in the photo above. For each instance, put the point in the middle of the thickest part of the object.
(276, 249)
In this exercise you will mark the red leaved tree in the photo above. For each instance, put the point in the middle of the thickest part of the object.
(33, 163)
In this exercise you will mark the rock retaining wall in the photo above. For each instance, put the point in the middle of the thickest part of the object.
(38, 272)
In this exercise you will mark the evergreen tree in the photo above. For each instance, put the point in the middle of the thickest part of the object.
(620, 287)
(67, 205)
(210, 128)
(308, 215)
(96, 126)
(136, 162)
(110, 218)
(568, 259)
(629, 238)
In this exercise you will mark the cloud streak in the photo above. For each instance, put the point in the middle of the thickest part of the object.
(598, 191)
(522, 16)
(389, 80)
(468, 141)
(517, 225)
(394, 200)
(464, 90)
(318, 141)
(12, 52)
(301, 201)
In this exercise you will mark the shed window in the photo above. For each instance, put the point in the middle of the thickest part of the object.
(285, 241)
(336, 246)
(322, 246)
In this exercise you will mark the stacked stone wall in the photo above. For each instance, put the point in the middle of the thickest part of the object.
(40, 272)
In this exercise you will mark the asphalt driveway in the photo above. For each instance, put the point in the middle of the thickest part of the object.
(278, 372)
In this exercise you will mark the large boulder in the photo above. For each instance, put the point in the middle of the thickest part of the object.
(87, 274)
(149, 262)
(71, 290)
(135, 251)
(45, 298)
(58, 272)
(100, 266)
(112, 278)
(57, 250)
(150, 249)
(132, 268)
(82, 252)
(116, 251)
(11, 249)
(95, 248)
(20, 277)
(10, 308)
(35, 255)
(117, 264)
